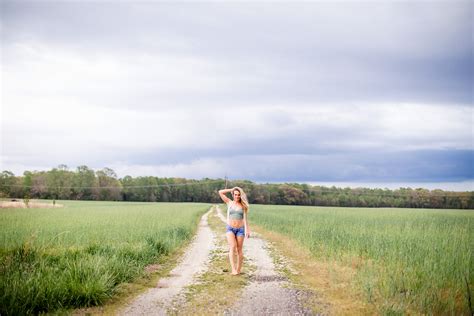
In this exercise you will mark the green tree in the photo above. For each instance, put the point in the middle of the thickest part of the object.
(59, 182)
(109, 186)
(27, 185)
(85, 184)
(7, 183)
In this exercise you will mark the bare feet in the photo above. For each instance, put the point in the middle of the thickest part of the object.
(235, 272)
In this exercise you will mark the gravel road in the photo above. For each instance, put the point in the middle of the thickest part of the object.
(157, 300)
(269, 292)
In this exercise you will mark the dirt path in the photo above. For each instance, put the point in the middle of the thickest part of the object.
(157, 300)
(269, 291)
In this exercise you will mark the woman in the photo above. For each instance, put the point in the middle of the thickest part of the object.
(237, 225)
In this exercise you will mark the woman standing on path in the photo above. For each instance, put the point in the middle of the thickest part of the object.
(237, 225)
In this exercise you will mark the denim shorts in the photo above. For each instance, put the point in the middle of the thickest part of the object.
(236, 231)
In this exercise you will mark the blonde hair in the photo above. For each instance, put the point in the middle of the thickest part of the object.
(243, 198)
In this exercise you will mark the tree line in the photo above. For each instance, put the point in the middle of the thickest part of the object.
(104, 185)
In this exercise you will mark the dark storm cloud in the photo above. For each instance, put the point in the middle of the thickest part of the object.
(412, 166)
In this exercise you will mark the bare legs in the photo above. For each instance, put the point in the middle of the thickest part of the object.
(235, 248)
(240, 253)
(232, 250)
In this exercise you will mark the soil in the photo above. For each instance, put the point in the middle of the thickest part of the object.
(31, 204)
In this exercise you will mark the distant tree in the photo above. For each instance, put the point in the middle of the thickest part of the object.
(27, 185)
(85, 184)
(7, 183)
(291, 195)
(109, 186)
(59, 182)
(128, 193)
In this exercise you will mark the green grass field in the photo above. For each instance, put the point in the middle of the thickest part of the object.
(78, 255)
(414, 260)
(411, 260)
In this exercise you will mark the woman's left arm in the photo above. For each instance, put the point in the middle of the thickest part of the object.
(246, 224)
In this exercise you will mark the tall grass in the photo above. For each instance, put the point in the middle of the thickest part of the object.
(410, 260)
(78, 255)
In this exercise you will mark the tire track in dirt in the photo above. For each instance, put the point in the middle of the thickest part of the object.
(157, 300)
(269, 292)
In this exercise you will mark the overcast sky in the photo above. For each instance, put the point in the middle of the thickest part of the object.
(373, 92)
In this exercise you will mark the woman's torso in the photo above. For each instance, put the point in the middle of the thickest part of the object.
(236, 214)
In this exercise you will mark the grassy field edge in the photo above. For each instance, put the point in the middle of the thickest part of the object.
(127, 292)
(329, 281)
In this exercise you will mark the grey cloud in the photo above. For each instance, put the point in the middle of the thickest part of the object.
(414, 166)
(248, 56)
(378, 166)
(417, 52)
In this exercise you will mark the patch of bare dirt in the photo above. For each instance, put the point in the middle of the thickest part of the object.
(152, 268)
(32, 204)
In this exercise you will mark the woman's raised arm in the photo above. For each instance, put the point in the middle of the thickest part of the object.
(223, 196)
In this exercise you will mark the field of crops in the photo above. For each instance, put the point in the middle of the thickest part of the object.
(416, 260)
(413, 260)
(77, 255)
